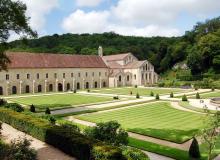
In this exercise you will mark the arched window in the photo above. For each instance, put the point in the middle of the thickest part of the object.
(96, 84)
(78, 85)
(135, 76)
(14, 90)
(119, 78)
(146, 67)
(60, 87)
(1, 90)
(87, 85)
(104, 84)
(39, 88)
(27, 89)
(128, 78)
(50, 87)
(68, 86)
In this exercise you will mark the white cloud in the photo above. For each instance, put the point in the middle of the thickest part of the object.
(37, 11)
(88, 3)
(138, 17)
(81, 22)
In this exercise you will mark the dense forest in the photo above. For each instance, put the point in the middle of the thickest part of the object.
(198, 48)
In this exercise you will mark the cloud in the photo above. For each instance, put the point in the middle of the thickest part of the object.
(37, 11)
(81, 22)
(88, 3)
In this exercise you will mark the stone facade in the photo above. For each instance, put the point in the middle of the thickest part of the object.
(100, 71)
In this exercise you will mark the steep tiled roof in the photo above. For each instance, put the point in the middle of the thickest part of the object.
(134, 64)
(114, 65)
(115, 57)
(40, 60)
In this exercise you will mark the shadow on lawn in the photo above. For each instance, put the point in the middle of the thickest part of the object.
(173, 135)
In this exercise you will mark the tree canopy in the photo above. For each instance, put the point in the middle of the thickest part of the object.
(12, 19)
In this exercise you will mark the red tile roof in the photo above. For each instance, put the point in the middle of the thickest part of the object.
(115, 57)
(41, 60)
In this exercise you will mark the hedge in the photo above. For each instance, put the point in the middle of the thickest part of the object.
(72, 143)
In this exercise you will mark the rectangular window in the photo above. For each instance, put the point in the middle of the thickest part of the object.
(78, 74)
(93, 74)
(7, 77)
(55, 75)
(99, 74)
(18, 76)
(46, 75)
(72, 75)
(38, 75)
(64, 75)
(28, 76)
(86, 74)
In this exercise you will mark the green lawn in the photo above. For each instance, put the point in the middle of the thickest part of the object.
(59, 100)
(141, 91)
(208, 95)
(158, 120)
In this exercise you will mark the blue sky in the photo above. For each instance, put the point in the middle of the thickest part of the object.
(126, 17)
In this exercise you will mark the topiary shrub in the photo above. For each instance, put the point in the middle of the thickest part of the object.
(213, 89)
(171, 95)
(115, 97)
(32, 108)
(197, 96)
(194, 149)
(131, 92)
(196, 88)
(184, 98)
(157, 97)
(137, 95)
(47, 111)
(88, 90)
(2, 102)
(74, 91)
(135, 86)
(152, 93)
(14, 106)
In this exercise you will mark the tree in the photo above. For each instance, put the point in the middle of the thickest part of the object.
(194, 149)
(210, 133)
(12, 18)
(171, 95)
(110, 132)
(184, 98)
(47, 111)
(152, 93)
(197, 96)
(157, 97)
(32, 108)
(137, 95)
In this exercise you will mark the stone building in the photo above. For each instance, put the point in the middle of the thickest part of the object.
(32, 73)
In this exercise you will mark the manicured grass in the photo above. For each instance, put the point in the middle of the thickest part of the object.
(208, 95)
(158, 120)
(59, 100)
(141, 91)
(159, 149)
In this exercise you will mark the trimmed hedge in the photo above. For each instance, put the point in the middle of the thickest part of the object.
(72, 143)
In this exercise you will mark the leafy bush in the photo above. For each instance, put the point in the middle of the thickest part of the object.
(152, 93)
(47, 111)
(70, 127)
(184, 98)
(194, 149)
(3, 102)
(109, 132)
(161, 84)
(213, 89)
(133, 154)
(20, 150)
(197, 96)
(171, 95)
(107, 153)
(157, 97)
(32, 108)
(137, 95)
(14, 106)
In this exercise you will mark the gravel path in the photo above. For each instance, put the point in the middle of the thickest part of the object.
(44, 151)
(177, 106)
(154, 156)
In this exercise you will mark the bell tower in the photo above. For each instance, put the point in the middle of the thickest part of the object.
(100, 51)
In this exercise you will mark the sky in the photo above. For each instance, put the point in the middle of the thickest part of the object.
(126, 17)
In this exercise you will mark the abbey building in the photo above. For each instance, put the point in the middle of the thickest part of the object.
(41, 72)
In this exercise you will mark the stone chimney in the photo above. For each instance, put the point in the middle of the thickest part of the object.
(100, 51)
